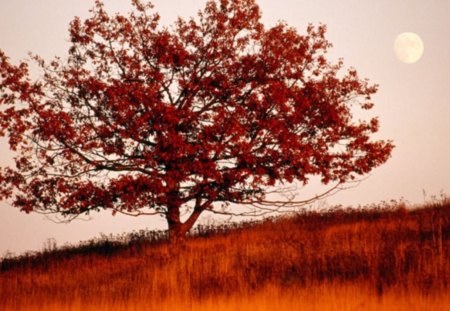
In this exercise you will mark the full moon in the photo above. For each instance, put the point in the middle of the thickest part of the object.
(408, 47)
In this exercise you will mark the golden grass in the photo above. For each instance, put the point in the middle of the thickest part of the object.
(325, 297)
(378, 259)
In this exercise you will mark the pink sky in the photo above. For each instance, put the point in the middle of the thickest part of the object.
(413, 102)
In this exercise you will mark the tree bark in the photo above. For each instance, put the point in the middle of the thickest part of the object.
(177, 232)
(178, 229)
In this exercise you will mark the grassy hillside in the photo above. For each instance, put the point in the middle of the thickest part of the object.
(369, 259)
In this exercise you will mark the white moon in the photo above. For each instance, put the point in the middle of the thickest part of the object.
(408, 47)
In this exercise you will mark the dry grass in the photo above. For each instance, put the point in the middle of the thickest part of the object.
(379, 259)
(325, 297)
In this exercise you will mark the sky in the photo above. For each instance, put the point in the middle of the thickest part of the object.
(413, 101)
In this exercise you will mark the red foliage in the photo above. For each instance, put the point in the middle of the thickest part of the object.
(214, 109)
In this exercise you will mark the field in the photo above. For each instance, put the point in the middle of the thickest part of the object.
(384, 257)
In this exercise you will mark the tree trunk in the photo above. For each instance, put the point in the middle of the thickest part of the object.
(177, 235)
(177, 229)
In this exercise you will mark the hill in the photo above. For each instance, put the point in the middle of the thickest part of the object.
(372, 258)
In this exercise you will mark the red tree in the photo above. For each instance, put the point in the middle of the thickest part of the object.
(143, 120)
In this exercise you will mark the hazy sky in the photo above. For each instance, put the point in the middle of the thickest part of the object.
(413, 102)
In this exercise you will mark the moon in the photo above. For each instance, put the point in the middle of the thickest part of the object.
(408, 47)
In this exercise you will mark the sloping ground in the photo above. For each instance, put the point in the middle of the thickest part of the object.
(382, 251)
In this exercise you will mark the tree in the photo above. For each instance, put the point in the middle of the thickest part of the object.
(143, 120)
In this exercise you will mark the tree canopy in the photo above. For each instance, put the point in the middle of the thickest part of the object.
(143, 119)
